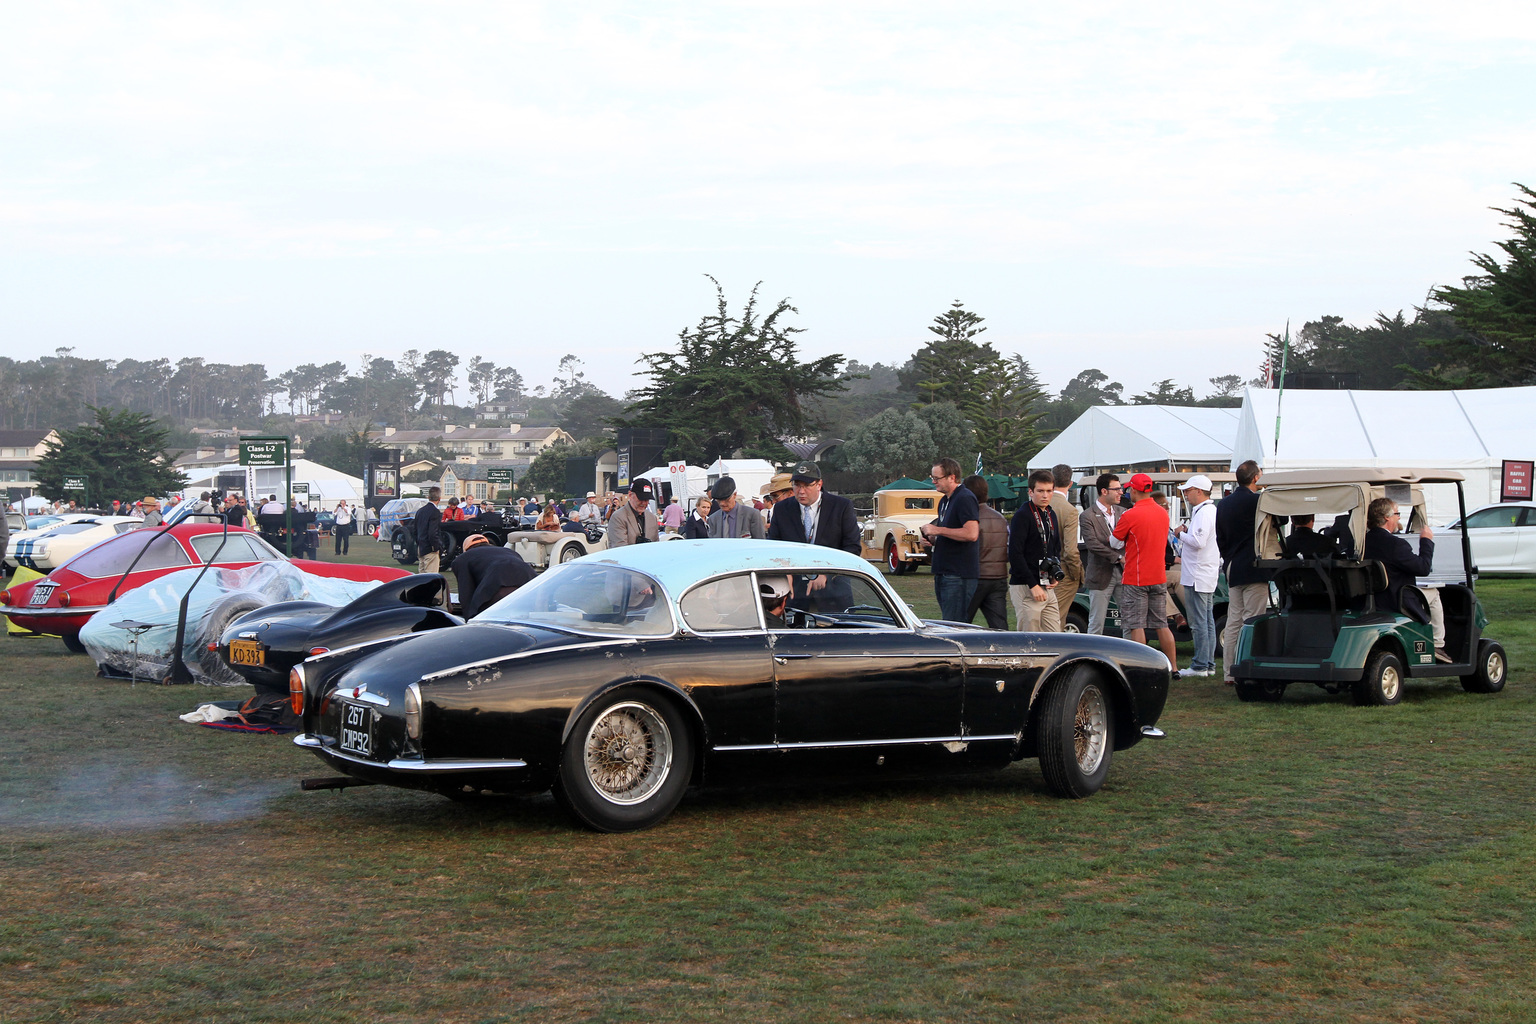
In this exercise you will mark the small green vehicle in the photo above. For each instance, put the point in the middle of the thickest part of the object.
(1327, 629)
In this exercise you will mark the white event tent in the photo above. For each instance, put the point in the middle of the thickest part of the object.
(1471, 432)
(1154, 438)
(327, 486)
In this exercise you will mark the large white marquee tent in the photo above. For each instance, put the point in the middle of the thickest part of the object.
(1159, 438)
(1471, 432)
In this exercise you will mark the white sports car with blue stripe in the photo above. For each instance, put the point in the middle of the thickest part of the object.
(53, 545)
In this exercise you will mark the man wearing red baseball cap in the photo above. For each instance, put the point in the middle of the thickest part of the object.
(1144, 587)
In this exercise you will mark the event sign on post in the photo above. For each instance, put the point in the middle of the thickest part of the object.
(270, 452)
(1516, 481)
(81, 484)
(497, 477)
(679, 473)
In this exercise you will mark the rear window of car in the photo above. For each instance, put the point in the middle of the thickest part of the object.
(588, 599)
(236, 549)
(920, 504)
(112, 557)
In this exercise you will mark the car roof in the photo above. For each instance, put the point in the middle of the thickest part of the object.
(1372, 476)
(677, 564)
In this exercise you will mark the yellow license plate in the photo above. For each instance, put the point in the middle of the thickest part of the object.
(246, 652)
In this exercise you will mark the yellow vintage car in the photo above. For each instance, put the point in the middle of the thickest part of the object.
(891, 534)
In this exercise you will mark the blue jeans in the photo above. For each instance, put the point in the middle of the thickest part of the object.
(1197, 609)
(954, 594)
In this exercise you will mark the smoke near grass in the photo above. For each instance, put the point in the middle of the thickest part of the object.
(118, 795)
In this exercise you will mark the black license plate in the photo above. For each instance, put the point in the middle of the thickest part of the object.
(357, 729)
(41, 593)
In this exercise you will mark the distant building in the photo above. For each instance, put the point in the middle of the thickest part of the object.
(501, 412)
(474, 444)
(468, 480)
(19, 452)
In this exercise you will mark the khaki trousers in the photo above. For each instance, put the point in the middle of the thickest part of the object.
(1033, 616)
(1244, 602)
(1067, 589)
(429, 563)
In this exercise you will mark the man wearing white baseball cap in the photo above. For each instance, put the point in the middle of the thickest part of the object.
(1200, 565)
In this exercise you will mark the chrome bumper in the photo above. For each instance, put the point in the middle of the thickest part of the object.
(401, 764)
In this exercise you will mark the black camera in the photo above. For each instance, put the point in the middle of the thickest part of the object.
(1051, 571)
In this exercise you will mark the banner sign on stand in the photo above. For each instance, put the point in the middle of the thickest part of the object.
(1516, 481)
(679, 473)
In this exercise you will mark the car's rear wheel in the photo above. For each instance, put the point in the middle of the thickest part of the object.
(571, 552)
(1382, 683)
(1075, 734)
(1075, 622)
(72, 643)
(1259, 690)
(1492, 669)
(626, 764)
(892, 559)
(219, 618)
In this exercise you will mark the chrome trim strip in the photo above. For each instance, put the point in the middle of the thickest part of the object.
(411, 764)
(895, 654)
(356, 647)
(444, 673)
(361, 697)
(465, 765)
(44, 612)
(863, 743)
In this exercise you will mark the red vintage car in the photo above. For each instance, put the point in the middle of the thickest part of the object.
(60, 603)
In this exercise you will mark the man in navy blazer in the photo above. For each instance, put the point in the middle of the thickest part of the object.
(833, 525)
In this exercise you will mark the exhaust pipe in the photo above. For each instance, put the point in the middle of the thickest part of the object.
(332, 782)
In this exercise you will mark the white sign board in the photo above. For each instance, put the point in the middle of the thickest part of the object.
(679, 474)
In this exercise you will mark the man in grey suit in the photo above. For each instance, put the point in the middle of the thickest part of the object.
(732, 518)
(1106, 555)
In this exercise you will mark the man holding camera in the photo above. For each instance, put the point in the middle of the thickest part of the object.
(1034, 558)
(1144, 587)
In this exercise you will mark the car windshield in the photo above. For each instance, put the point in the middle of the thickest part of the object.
(42, 522)
(112, 557)
(588, 599)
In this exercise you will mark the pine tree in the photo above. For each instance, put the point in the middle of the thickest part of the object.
(122, 454)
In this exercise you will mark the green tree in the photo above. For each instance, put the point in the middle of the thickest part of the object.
(590, 415)
(1495, 311)
(945, 369)
(346, 451)
(546, 473)
(123, 453)
(1165, 392)
(1007, 413)
(733, 383)
(896, 442)
(951, 436)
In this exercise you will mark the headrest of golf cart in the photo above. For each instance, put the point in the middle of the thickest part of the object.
(1347, 580)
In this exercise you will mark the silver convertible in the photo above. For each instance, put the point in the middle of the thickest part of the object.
(618, 679)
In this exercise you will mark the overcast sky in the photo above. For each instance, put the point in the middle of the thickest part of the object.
(1143, 188)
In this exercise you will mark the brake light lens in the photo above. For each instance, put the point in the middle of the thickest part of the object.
(296, 689)
(315, 652)
(64, 600)
(5, 597)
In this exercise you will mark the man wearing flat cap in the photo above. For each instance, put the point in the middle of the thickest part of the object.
(732, 517)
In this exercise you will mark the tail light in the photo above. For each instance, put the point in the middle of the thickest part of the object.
(64, 601)
(213, 647)
(315, 652)
(5, 597)
(296, 689)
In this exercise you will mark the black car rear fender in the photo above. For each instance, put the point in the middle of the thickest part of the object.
(695, 716)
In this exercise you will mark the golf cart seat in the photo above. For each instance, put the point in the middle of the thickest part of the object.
(1314, 595)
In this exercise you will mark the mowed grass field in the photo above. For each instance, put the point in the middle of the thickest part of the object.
(1306, 861)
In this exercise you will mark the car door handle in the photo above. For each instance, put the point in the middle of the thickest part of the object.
(779, 659)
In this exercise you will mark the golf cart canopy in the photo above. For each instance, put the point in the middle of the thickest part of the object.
(1327, 493)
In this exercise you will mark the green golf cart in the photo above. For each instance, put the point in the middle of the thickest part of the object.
(1327, 629)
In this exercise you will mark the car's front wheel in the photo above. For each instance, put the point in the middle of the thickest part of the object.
(1075, 735)
(571, 553)
(626, 763)
(1492, 668)
(1382, 683)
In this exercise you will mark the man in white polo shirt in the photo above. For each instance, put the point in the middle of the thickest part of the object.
(1199, 567)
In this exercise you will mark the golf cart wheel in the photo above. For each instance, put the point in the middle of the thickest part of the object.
(1492, 669)
(1221, 627)
(1383, 681)
(1252, 691)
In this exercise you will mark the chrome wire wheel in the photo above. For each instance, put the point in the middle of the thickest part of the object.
(628, 753)
(1090, 730)
(1391, 682)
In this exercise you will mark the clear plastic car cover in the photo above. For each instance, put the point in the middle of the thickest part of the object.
(222, 595)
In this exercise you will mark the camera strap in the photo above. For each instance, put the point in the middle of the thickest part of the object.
(1041, 524)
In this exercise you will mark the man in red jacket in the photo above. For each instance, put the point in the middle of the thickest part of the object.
(1144, 588)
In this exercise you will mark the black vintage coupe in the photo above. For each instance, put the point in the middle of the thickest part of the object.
(264, 644)
(620, 678)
